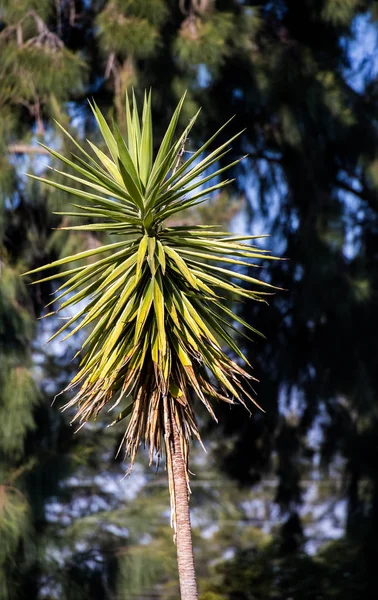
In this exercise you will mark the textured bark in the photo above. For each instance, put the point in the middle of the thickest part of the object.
(185, 559)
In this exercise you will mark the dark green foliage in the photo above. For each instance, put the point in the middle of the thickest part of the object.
(204, 41)
(336, 572)
(140, 19)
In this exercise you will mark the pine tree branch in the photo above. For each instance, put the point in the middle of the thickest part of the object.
(26, 149)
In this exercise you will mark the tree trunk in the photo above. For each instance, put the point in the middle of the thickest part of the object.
(185, 559)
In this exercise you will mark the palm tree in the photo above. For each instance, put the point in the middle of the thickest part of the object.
(152, 298)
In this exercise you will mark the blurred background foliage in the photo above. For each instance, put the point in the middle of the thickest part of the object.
(285, 504)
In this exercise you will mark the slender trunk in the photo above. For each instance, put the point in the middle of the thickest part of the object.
(185, 559)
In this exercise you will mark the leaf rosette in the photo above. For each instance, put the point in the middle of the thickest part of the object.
(158, 326)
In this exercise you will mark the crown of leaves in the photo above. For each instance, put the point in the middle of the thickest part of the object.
(153, 299)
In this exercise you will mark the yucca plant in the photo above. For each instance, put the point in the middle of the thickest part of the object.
(152, 301)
